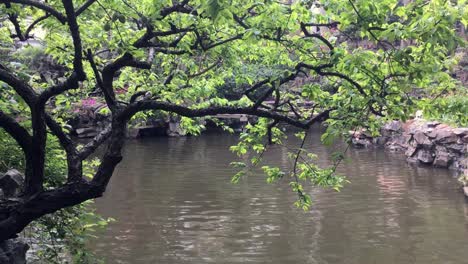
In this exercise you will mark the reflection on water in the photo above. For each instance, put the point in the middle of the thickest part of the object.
(174, 203)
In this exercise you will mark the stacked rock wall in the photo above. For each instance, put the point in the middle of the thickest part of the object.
(430, 143)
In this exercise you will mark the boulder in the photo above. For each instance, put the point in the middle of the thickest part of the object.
(13, 251)
(458, 148)
(394, 147)
(444, 126)
(84, 130)
(361, 142)
(412, 160)
(175, 130)
(465, 190)
(445, 136)
(425, 156)
(380, 140)
(432, 124)
(11, 182)
(442, 160)
(410, 151)
(428, 131)
(422, 140)
(431, 133)
(393, 126)
(133, 133)
(462, 131)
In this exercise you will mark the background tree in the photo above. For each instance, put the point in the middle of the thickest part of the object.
(175, 57)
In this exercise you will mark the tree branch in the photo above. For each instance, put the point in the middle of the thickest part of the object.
(41, 6)
(21, 88)
(34, 23)
(17, 132)
(14, 20)
(109, 71)
(317, 36)
(91, 146)
(69, 84)
(73, 163)
(83, 7)
(75, 33)
(132, 109)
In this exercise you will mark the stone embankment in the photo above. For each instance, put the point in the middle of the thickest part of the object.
(423, 142)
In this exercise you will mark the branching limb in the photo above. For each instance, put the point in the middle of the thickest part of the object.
(109, 71)
(132, 109)
(22, 89)
(75, 33)
(97, 141)
(19, 133)
(41, 5)
(73, 163)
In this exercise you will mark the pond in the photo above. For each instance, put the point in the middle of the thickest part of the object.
(173, 203)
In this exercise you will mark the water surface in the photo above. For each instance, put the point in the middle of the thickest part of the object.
(174, 203)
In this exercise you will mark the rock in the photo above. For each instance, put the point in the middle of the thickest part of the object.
(410, 151)
(13, 251)
(428, 131)
(462, 131)
(174, 130)
(442, 160)
(393, 147)
(425, 156)
(361, 143)
(133, 133)
(445, 136)
(380, 140)
(432, 124)
(422, 140)
(393, 126)
(465, 190)
(84, 130)
(465, 139)
(458, 148)
(87, 135)
(412, 160)
(11, 182)
(444, 126)
(431, 133)
(365, 134)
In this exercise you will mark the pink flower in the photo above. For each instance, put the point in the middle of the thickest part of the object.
(89, 102)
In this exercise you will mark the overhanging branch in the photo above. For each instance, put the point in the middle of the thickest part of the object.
(41, 5)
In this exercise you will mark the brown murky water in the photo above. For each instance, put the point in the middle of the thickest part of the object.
(174, 203)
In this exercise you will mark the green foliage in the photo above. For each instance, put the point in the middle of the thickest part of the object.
(451, 109)
(303, 168)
